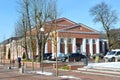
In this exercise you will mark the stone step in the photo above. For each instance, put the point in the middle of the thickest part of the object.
(100, 74)
(99, 70)
(103, 68)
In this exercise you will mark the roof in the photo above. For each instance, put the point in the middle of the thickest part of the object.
(66, 25)
(10, 40)
(67, 29)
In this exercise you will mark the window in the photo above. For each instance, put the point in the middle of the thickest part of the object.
(69, 40)
(62, 41)
(94, 41)
(118, 53)
(87, 41)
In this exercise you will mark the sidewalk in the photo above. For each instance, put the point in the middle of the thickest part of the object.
(14, 74)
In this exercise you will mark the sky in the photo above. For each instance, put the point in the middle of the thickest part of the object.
(75, 10)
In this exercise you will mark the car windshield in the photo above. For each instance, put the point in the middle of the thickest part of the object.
(111, 53)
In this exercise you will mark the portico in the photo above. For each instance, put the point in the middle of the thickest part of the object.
(73, 45)
(73, 37)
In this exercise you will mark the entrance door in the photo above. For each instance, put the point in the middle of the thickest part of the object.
(78, 46)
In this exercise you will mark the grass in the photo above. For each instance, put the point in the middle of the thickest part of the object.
(65, 67)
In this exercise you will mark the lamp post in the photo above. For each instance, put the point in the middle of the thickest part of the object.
(42, 48)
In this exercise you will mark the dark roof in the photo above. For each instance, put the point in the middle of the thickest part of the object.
(10, 40)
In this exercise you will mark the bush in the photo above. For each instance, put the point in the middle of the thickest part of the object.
(65, 67)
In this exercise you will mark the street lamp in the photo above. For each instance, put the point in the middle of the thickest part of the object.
(42, 48)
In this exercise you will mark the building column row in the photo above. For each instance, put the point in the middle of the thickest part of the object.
(83, 46)
(90, 42)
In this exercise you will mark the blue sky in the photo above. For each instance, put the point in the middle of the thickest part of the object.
(75, 10)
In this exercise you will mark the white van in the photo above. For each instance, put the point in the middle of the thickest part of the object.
(113, 55)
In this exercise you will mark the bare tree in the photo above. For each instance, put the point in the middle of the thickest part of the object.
(24, 29)
(45, 15)
(40, 14)
(20, 33)
(115, 38)
(25, 7)
(102, 13)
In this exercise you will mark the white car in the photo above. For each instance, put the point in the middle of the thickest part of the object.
(113, 55)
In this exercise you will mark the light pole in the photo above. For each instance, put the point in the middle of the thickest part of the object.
(42, 48)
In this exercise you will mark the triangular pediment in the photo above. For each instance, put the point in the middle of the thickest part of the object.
(65, 22)
(78, 28)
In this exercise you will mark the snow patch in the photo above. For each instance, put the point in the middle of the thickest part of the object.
(105, 65)
(40, 72)
(72, 77)
(44, 73)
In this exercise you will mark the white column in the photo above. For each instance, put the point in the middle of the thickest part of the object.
(84, 45)
(97, 46)
(53, 53)
(91, 46)
(74, 45)
(58, 45)
(66, 46)
(46, 47)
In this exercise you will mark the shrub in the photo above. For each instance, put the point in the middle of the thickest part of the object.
(65, 67)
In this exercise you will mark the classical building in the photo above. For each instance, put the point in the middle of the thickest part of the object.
(71, 37)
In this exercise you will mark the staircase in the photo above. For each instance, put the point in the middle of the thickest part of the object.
(101, 70)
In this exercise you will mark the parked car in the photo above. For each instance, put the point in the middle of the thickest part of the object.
(46, 56)
(101, 55)
(112, 55)
(71, 57)
(61, 57)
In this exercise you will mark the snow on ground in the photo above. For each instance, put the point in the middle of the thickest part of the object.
(44, 73)
(40, 72)
(50, 74)
(71, 77)
(105, 65)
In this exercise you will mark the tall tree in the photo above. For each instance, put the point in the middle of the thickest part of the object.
(40, 14)
(45, 15)
(106, 16)
(25, 9)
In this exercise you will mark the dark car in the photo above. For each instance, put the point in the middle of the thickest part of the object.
(71, 57)
(60, 57)
(46, 56)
